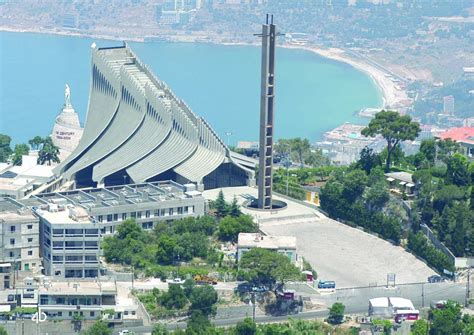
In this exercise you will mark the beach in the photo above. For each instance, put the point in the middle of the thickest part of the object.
(393, 95)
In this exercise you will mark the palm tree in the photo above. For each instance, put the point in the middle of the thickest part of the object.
(49, 152)
(36, 142)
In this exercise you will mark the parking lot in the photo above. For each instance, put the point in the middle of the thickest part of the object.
(337, 252)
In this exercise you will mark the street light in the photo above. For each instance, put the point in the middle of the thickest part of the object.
(228, 134)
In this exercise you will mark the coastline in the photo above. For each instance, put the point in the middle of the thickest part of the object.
(392, 95)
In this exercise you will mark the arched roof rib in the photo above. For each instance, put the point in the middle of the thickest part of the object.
(179, 145)
(152, 132)
(103, 96)
(126, 122)
(208, 156)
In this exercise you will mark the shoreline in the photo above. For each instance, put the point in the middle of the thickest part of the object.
(392, 95)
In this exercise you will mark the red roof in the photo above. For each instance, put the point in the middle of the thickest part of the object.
(463, 134)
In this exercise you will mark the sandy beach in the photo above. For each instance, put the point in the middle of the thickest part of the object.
(393, 96)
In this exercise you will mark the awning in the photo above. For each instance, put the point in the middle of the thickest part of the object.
(5, 265)
(410, 185)
(402, 183)
(390, 179)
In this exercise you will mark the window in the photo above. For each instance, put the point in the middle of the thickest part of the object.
(30, 252)
(147, 214)
(115, 217)
(186, 209)
(92, 231)
(109, 218)
(162, 212)
(74, 231)
(30, 226)
(171, 211)
(91, 243)
(74, 244)
(30, 239)
(73, 258)
(157, 212)
(133, 312)
(125, 313)
(12, 241)
(180, 210)
(60, 313)
(70, 313)
(133, 215)
(58, 244)
(91, 258)
(58, 231)
(92, 314)
(57, 259)
(124, 216)
(100, 218)
(12, 229)
(139, 215)
(12, 254)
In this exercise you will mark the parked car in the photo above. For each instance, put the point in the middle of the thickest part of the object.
(327, 284)
(435, 279)
(440, 304)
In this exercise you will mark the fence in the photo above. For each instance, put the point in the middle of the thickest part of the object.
(458, 262)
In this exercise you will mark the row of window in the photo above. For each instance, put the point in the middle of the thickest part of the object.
(147, 214)
(87, 232)
(12, 240)
(59, 259)
(13, 228)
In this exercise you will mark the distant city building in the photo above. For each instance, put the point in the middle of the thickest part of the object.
(343, 144)
(448, 105)
(464, 136)
(17, 181)
(285, 245)
(137, 130)
(67, 129)
(19, 249)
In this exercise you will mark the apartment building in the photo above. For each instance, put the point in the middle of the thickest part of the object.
(19, 249)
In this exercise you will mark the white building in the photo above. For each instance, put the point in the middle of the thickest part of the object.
(393, 307)
(283, 244)
(17, 181)
(89, 299)
(19, 249)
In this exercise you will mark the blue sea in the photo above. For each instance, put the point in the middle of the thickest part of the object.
(220, 83)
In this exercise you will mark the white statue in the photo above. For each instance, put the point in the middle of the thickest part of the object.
(67, 97)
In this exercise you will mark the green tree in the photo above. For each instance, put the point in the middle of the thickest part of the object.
(98, 328)
(5, 150)
(36, 142)
(377, 195)
(48, 152)
(199, 324)
(174, 298)
(246, 327)
(368, 159)
(20, 150)
(230, 227)
(354, 184)
(188, 287)
(446, 149)
(420, 327)
(336, 313)
(301, 148)
(3, 331)
(234, 209)
(159, 329)
(262, 266)
(203, 299)
(282, 147)
(394, 128)
(220, 205)
(317, 158)
(446, 320)
(428, 150)
(457, 170)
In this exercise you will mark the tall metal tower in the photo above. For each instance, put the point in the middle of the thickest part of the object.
(267, 107)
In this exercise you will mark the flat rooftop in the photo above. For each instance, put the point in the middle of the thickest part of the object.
(65, 215)
(91, 198)
(256, 240)
(12, 210)
(78, 288)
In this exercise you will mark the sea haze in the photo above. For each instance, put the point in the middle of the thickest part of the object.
(220, 83)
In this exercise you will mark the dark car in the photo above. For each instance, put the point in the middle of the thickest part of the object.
(435, 279)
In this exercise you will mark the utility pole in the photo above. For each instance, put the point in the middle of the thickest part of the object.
(422, 295)
(253, 306)
(468, 286)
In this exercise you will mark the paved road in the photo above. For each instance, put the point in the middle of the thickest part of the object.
(355, 300)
